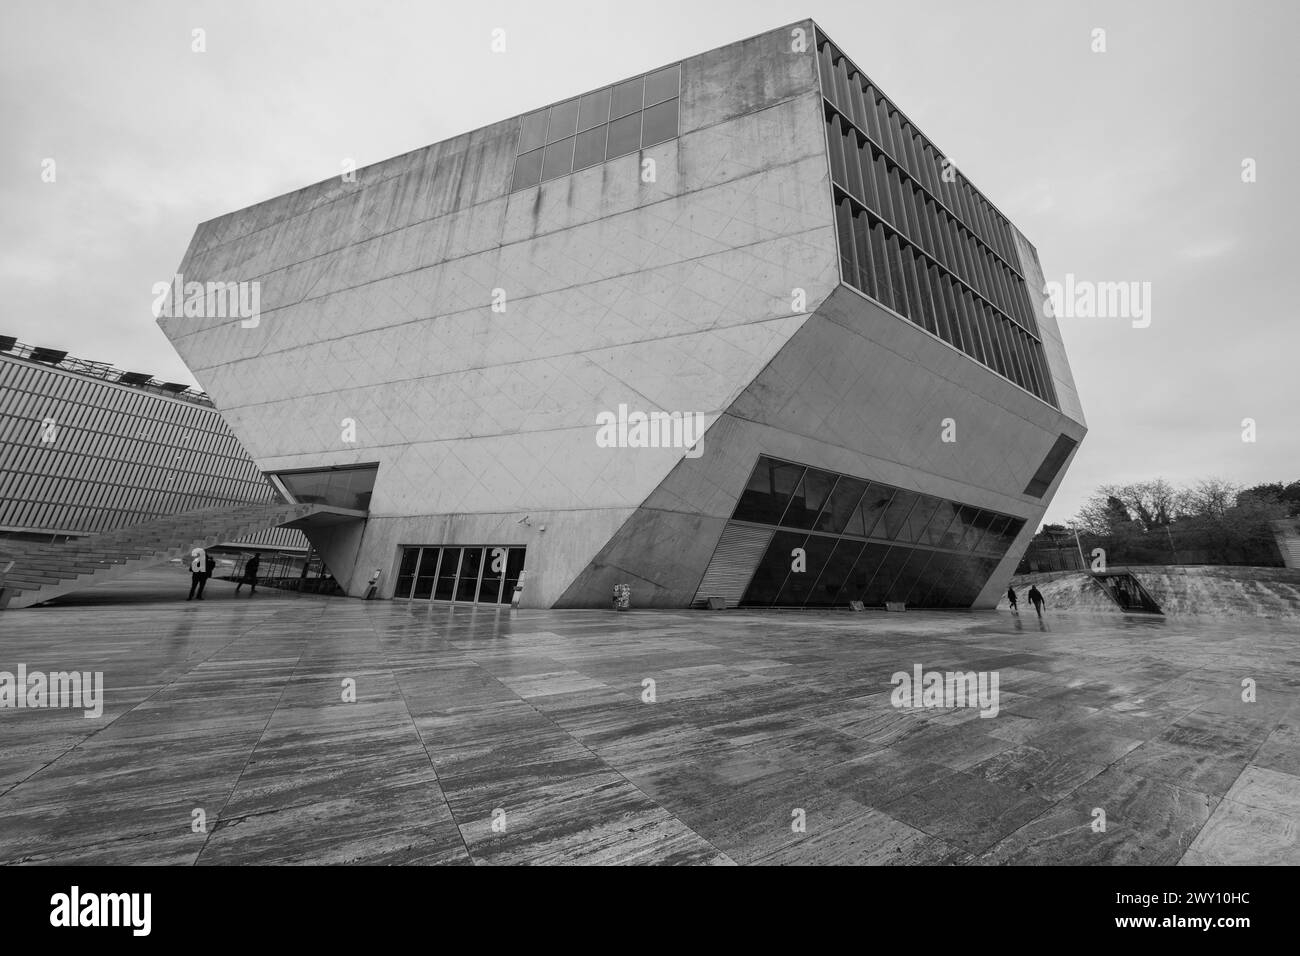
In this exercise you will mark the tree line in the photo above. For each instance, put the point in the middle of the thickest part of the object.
(1212, 521)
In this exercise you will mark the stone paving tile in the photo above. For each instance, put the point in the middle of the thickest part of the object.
(1148, 822)
(966, 811)
(1237, 834)
(759, 721)
(1043, 773)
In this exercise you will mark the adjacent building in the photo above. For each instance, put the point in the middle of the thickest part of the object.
(733, 328)
(86, 448)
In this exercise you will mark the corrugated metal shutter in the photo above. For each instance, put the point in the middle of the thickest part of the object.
(739, 551)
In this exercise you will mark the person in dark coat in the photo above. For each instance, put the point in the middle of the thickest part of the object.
(198, 573)
(1011, 596)
(250, 574)
(1036, 599)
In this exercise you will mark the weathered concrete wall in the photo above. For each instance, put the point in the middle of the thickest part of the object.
(377, 308)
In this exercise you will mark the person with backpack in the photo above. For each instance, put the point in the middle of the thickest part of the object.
(1011, 596)
(198, 573)
(250, 574)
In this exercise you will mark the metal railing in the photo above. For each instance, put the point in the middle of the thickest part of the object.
(56, 358)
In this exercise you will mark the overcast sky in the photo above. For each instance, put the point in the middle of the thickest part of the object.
(1119, 166)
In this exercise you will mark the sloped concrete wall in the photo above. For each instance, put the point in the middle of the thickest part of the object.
(859, 391)
(667, 295)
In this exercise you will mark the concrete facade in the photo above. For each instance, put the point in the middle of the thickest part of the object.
(471, 335)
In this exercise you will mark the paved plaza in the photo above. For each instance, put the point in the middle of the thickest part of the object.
(499, 736)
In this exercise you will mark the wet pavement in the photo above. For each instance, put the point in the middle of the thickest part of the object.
(229, 734)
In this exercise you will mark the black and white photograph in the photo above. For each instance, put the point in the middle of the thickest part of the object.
(568, 434)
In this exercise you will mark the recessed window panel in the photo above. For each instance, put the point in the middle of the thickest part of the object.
(532, 131)
(768, 492)
(557, 159)
(895, 518)
(872, 511)
(590, 148)
(659, 123)
(936, 532)
(528, 169)
(828, 516)
(908, 575)
(992, 539)
(594, 110)
(808, 498)
(342, 486)
(624, 136)
(864, 571)
(1051, 465)
(877, 592)
(798, 586)
(934, 571)
(918, 518)
(979, 531)
(771, 572)
(662, 85)
(564, 121)
(841, 514)
(627, 98)
(833, 580)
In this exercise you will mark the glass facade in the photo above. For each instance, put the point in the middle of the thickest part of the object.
(865, 541)
(343, 487)
(588, 130)
(915, 235)
(479, 574)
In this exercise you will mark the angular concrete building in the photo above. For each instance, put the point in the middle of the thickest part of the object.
(730, 329)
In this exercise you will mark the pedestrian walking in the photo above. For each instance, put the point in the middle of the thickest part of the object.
(198, 573)
(1011, 596)
(250, 574)
(1036, 599)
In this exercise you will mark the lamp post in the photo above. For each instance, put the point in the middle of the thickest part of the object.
(1083, 563)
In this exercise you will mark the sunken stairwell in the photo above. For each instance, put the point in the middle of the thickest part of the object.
(41, 572)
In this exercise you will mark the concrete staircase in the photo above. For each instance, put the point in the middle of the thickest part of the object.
(44, 571)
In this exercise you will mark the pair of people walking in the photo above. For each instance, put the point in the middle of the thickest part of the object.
(203, 564)
(1035, 598)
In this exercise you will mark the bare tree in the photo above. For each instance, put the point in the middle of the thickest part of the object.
(1153, 504)
(1208, 498)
